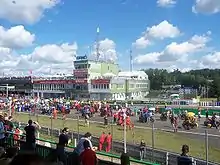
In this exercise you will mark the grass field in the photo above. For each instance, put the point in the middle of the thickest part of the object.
(163, 140)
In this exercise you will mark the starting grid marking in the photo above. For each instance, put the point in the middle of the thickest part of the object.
(139, 127)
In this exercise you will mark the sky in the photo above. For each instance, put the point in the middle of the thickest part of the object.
(45, 36)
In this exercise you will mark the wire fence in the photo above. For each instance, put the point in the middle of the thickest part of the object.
(156, 139)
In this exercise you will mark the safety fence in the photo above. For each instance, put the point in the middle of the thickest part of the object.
(151, 153)
(46, 151)
(177, 110)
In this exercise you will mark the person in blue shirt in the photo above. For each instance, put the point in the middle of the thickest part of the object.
(2, 132)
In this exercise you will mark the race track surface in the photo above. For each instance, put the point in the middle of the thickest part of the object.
(198, 133)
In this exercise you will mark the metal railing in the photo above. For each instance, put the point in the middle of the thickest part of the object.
(162, 157)
(44, 151)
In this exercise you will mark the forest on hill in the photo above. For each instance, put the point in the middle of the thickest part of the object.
(197, 79)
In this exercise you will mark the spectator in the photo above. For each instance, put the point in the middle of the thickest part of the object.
(2, 152)
(52, 158)
(108, 142)
(101, 140)
(17, 136)
(184, 159)
(10, 154)
(80, 148)
(88, 156)
(207, 113)
(142, 149)
(9, 123)
(2, 132)
(27, 159)
(30, 130)
(8, 128)
(63, 142)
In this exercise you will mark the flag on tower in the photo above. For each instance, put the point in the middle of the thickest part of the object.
(97, 30)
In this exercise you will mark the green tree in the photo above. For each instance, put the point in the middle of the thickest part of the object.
(193, 78)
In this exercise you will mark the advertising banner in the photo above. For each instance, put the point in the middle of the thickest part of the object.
(100, 81)
(78, 81)
(80, 72)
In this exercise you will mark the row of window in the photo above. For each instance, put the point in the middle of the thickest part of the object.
(52, 86)
(60, 86)
(141, 85)
(84, 86)
(82, 66)
(100, 86)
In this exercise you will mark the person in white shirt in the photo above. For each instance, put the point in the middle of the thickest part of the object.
(80, 148)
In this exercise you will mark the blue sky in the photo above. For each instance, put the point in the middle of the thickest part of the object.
(121, 23)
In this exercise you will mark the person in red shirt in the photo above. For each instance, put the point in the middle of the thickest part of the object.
(102, 140)
(63, 110)
(54, 113)
(88, 156)
(108, 142)
(16, 136)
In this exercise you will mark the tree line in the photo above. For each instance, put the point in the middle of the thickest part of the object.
(197, 79)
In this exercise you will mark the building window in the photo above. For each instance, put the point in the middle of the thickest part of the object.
(119, 86)
(131, 85)
(78, 87)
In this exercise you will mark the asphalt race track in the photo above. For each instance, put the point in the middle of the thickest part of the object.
(197, 133)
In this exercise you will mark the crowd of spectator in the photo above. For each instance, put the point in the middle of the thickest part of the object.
(84, 153)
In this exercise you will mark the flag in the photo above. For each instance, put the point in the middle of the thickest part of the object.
(97, 30)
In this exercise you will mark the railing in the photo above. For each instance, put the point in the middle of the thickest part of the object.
(161, 157)
(44, 151)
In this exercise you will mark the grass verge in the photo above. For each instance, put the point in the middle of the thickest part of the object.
(163, 140)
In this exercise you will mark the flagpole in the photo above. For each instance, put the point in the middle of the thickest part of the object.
(125, 134)
(97, 44)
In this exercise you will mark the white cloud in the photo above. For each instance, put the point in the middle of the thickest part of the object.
(107, 50)
(55, 53)
(166, 3)
(206, 6)
(211, 60)
(43, 59)
(16, 37)
(4, 52)
(161, 31)
(57, 58)
(25, 11)
(149, 58)
(178, 54)
(141, 43)
(175, 51)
